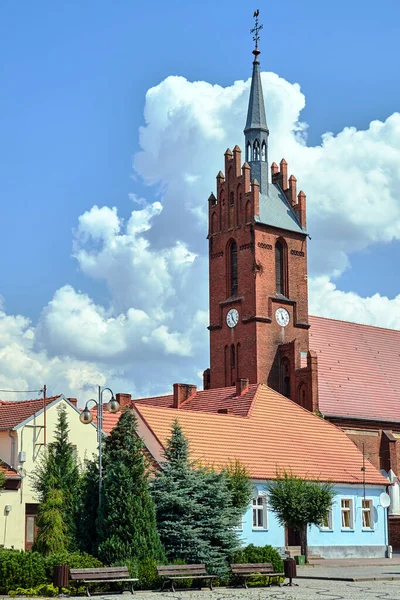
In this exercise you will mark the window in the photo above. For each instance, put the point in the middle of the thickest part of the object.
(280, 268)
(260, 512)
(285, 377)
(248, 212)
(264, 151)
(367, 510)
(214, 223)
(256, 150)
(347, 513)
(233, 357)
(248, 152)
(234, 270)
(327, 521)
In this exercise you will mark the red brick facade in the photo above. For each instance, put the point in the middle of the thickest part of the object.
(258, 348)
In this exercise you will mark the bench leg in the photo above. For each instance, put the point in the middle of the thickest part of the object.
(87, 590)
(245, 583)
(211, 585)
(172, 586)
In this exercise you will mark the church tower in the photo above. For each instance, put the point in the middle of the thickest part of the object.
(258, 268)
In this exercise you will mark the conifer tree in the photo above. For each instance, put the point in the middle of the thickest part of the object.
(87, 508)
(51, 535)
(195, 514)
(58, 471)
(127, 521)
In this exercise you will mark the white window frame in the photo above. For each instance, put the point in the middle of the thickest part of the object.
(371, 511)
(350, 509)
(257, 508)
(329, 527)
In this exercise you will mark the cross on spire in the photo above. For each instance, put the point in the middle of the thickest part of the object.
(256, 29)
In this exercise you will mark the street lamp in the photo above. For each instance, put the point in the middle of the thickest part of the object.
(86, 417)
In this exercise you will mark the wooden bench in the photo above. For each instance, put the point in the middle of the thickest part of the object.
(255, 569)
(101, 575)
(172, 573)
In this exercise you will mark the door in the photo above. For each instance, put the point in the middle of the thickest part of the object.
(30, 525)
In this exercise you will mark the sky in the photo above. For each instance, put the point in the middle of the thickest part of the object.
(114, 118)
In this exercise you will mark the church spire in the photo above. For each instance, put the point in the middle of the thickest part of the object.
(256, 130)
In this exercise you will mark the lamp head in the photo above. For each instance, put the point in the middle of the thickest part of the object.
(86, 416)
(113, 406)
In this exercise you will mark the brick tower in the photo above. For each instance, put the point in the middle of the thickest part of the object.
(258, 269)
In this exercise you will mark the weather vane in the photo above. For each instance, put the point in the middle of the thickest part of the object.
(256, 29)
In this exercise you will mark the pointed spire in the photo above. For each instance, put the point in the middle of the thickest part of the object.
(256, 130)
(256, 118)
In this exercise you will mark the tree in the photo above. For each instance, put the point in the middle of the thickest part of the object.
(299, 502)
(195, 514)
(58, 471)
(2, 477)
(87, 508)
(239, 485)
(51, 535)
(127, 520)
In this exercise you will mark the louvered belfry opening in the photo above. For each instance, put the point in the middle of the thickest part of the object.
(234, 269)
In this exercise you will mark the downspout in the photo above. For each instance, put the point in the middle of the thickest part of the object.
(12, 447)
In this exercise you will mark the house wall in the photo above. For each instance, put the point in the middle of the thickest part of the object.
(335, 543)
(30, 438)
(12, 523)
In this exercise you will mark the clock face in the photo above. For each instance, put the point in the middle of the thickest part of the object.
(282, 317)
(232, 317)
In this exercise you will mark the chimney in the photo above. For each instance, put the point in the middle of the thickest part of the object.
(182, 392)
(206, 379)
(242, 386)
(124, 400)
(73, 401)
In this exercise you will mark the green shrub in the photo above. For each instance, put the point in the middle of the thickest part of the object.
(44, 590)
(28, 570)
(20, 569)
(258, 554)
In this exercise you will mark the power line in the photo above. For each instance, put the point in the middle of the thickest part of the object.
(21, 391)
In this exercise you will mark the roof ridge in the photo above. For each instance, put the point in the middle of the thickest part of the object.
(354, 323)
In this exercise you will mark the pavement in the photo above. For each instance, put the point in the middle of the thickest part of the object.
(352, 571)
(305, 590)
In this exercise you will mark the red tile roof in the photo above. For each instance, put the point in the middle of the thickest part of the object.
(8, 471)
(277, 434)
(12, 413)
(211, 401)
(358, 369)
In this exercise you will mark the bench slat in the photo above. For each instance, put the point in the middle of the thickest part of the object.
(106, 581)
(101, 570)
(251, 565)
(161, 568)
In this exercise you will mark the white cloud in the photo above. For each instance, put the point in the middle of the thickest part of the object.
(154, 265)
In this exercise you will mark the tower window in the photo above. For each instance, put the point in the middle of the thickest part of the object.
(285, 378)
(233, 268)
(256, 150)
(264, 151)
(280, 269)
(248, 152)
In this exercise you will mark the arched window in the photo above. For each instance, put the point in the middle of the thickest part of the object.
(233, 364)
(231, 215)
(256, 150)
(233, 273)
(214, 223)
(226, 359)
(248, 152)
(285, 377)
(301, 395)
(264, 151)
(237, 361)
(280, 269)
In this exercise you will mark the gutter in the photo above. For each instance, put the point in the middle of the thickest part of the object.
(9, 431)
(372, 419)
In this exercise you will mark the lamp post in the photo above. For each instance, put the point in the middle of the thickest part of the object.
(86, 417)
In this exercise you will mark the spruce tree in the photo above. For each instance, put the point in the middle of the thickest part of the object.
(195, 514)
(51, 535)
(58, 471)
(87, 508)
(127, 521)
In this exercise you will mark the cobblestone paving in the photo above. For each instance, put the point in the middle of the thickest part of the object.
(305, 590)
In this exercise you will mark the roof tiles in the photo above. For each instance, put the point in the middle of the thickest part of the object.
(277, 434)
(12, 413)
(358, 369)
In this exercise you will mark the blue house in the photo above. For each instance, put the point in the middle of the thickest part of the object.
(269, 433)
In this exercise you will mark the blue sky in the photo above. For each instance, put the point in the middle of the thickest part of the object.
(74, 78)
